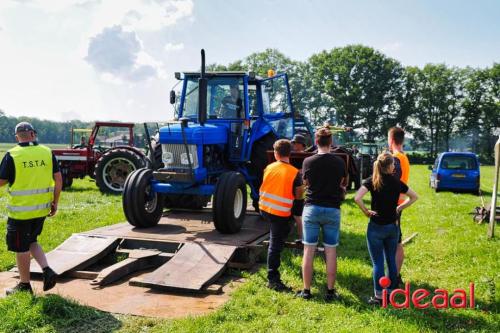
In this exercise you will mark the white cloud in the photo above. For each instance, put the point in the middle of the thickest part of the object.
(391, 47)
(120, 53)
(174, 47)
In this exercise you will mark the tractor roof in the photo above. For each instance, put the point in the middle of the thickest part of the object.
(213, 74)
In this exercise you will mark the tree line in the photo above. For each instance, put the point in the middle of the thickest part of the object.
(441, 107)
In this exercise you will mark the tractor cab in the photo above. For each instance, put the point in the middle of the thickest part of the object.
(242, 105)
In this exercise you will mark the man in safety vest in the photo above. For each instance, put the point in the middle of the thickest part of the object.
(395, 139)
(34, 184)
(282, 184)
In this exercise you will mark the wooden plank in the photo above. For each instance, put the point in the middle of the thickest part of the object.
(194, 267)
(77, 252)
(186, 227)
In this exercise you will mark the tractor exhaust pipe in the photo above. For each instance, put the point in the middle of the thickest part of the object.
(202, 92)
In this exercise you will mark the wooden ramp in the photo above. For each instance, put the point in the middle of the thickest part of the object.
(184, 249)
(78, 251)
(193, 267)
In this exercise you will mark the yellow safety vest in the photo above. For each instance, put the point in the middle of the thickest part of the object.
(276, 191)
(32, 192)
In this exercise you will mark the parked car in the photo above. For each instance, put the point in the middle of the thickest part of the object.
(455, 171)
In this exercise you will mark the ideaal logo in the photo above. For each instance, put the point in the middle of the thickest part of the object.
(439, 299)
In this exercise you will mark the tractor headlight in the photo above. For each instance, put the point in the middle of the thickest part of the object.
(167, 158)
(185, 160)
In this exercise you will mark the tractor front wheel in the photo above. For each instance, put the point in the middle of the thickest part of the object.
(113, 167)
(230, 202)
(142, 206)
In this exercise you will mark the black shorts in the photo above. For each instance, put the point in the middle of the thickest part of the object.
(298, 207)
(22, 233)
(399, 227)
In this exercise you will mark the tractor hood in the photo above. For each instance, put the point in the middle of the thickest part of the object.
(194, 133)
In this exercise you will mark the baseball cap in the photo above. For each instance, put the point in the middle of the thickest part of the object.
(24, 127)
(298, 138)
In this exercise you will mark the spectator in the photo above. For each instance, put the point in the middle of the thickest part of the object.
(395, 138)
(383, 232)
(323, 175)
(281, 185)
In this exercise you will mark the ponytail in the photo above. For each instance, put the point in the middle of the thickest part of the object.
(377, 176)
(381, 166)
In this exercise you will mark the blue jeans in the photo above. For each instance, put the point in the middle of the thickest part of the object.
(382, 242)
(315, 218)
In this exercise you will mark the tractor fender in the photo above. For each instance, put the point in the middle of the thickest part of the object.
(135, 150)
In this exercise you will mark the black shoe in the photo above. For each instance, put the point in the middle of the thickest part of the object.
(49, 278)
(26, 287)
(331, 295)
(400, 281)
(279, 286)
(375, 301)
(303, 294)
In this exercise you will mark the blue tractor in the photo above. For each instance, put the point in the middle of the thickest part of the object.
(227, 121)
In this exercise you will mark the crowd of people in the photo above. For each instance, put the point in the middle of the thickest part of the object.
(312, 196)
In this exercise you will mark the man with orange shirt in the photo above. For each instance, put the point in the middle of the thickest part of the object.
(396, 137)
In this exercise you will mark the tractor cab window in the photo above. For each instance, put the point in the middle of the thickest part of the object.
(276, 107)
(224, 98)
(275, 97)
(109, 137)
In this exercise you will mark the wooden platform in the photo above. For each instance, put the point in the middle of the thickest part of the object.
(187, 227)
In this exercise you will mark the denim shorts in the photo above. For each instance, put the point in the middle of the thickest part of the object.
(325, 218)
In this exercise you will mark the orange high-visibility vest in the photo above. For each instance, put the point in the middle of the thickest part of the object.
(276, 191)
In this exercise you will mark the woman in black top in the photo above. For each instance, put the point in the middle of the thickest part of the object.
(383, 233)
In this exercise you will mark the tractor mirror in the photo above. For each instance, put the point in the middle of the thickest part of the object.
(172, 97)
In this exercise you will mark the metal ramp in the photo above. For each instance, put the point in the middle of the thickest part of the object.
(183, 253)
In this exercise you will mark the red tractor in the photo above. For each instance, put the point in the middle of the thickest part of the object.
(108, 155)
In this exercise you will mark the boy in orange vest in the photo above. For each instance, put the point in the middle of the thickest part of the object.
(282, 184)
(395, 138)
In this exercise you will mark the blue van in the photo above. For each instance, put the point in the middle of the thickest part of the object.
(455, 171)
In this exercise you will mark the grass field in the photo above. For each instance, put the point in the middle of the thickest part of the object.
(449, 252)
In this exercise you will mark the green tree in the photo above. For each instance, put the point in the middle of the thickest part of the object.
(361, 84)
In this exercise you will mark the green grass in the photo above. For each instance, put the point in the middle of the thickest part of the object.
(449, 251)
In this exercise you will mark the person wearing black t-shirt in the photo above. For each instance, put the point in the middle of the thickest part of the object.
(383, 233)
(324, 176)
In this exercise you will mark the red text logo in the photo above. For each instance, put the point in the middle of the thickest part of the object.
(422, 298)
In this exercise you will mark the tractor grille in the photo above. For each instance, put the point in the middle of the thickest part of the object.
(174, 156)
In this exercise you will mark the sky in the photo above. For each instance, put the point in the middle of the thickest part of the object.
(115, 59)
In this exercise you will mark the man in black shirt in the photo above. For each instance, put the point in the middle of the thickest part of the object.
(323, 175)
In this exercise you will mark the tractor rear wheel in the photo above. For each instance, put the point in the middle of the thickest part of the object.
(142, 207)
(113, 167)
(229, 202)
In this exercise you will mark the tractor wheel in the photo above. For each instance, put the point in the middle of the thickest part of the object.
(113, 167)
(229, 202)
(66, 182)
(259, 161)
(155, 155)
(142, 207)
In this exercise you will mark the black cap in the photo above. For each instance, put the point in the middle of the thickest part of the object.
(298, 138)
(24, 127)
